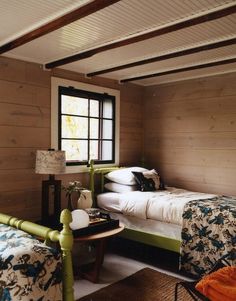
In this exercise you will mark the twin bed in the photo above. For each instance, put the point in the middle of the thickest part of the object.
(175, 219)
(31, 269)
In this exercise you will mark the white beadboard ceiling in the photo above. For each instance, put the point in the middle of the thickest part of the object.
(119, 21)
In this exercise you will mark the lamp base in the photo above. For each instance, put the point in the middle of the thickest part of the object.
(46, 218)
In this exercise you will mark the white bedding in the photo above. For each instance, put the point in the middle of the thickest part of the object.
(149, 225)
(166, 205)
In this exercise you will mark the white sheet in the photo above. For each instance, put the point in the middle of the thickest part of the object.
(149, 225)
(109, 201)
(166, 206)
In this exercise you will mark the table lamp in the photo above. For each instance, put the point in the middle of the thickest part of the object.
(50, 162)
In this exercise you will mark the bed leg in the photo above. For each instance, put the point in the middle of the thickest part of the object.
(66, 242)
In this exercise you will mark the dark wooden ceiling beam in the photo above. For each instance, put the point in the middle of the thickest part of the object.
(167, 56)
(201, 66)
(70, 17)
(161, 31)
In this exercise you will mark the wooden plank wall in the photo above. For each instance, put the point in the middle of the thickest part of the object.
(190, 133)
(25, 127)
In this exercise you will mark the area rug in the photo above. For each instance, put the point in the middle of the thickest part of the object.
(145, 285)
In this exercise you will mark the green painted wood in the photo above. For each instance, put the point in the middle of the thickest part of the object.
(66, 243)
(65, 239)
(152, 239)
(91, 177)
(102, 171)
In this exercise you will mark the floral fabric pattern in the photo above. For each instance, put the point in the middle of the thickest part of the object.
(208, 233)
(29, 270)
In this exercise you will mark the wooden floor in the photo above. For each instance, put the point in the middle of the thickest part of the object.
(124, 258)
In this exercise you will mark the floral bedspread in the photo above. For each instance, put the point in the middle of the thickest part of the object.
(208, 233)
(29, 270)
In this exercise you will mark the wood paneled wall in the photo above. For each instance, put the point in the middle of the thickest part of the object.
(190, 133)
(187, 130)
(25, 90)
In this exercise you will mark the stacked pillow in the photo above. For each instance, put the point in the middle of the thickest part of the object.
(132, 179)
(120, 188)
(122, 180)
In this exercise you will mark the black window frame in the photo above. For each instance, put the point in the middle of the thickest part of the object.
(101, 97)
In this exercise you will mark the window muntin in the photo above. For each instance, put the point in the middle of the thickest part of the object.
(86, 127)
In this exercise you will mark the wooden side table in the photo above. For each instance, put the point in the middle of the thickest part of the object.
(91, 272)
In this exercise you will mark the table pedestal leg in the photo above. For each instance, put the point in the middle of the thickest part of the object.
(91, 271)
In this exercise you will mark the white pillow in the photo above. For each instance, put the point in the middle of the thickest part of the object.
(120, 188)
(124, 175)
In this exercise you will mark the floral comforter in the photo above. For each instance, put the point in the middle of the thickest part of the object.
(208, 233)
(29, 270)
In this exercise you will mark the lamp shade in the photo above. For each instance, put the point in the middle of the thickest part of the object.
(50, 162)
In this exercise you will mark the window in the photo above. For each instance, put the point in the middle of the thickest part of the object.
(86, 123)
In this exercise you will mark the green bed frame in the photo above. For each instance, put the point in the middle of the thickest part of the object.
(64, 238)
(155, 240)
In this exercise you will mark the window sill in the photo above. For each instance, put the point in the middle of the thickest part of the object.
(85, 168)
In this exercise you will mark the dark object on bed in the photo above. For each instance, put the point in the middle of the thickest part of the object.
(189, 286)
(144, 183)
(149, 180)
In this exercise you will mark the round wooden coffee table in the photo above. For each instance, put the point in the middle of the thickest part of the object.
(91, 271)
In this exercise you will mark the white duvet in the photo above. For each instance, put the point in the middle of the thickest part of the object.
(166, 206)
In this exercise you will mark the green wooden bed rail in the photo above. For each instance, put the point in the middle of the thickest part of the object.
(64, 238)
(151, 239)
(102, 171)
(156, 240)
